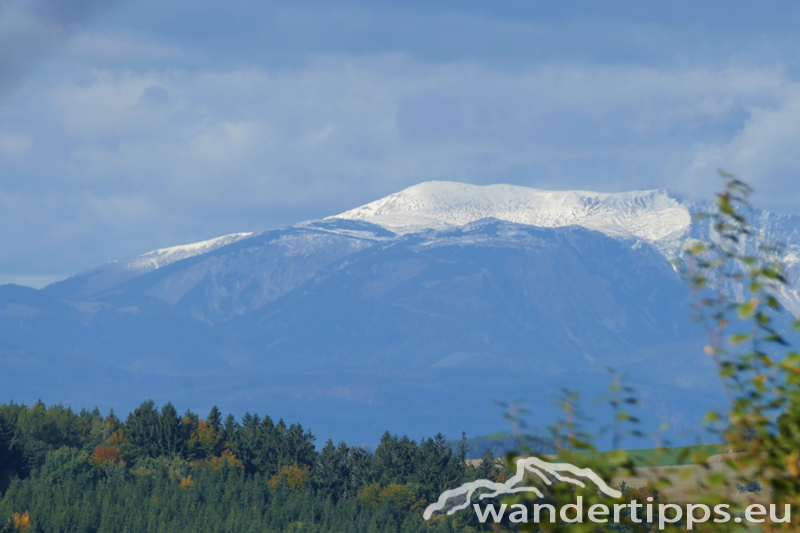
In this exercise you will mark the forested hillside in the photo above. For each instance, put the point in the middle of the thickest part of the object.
(159, 471)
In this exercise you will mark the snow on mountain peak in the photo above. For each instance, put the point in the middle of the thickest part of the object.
(651, 216)
(165, 256)
(115, 272)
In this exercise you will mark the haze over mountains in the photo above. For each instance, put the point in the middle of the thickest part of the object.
(412, 313)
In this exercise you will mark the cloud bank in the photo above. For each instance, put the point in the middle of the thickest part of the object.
(129, 136)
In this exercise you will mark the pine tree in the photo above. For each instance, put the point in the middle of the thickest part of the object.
(11, 458)
(395, 458)
(228, 430)
(488, 465)
(361, 468)
(214, 419)
(330, 471)
(171, 438)
(463, 448)
(299, 446)
(142, 427)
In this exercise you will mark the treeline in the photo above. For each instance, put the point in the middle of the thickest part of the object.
(62, 471)
(502, 444)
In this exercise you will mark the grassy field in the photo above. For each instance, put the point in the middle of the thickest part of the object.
(681, 455)
(673, 456)
(687, 479)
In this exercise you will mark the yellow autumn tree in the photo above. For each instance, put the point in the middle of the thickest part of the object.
(117, 439)
(370, 494)
(397, 498)
(103, 455)
(21, 521)
(203, 441)
(226, 458)
(294, 478)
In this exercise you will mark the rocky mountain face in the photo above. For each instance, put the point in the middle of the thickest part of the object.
(413, 313)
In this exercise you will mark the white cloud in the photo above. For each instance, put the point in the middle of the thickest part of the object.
(164, 156)
(763, 152)
(223, 142)
(107, 105)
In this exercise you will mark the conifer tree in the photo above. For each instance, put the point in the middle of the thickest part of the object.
(488, 465)
(463, 448)
(142, 427)
(330, 471)
(214, 419)
(11, 459)
(228, 430)
(171, 438)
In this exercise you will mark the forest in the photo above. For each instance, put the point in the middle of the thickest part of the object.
(159, 471)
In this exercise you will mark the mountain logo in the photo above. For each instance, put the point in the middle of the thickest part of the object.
(566, 472)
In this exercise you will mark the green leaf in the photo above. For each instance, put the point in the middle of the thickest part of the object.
(773, 274)
(725, 207)
(746, 310)
(697, 248)
(741, 337)
(774, 337)
(617, 457)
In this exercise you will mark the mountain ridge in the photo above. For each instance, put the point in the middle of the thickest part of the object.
(354, 326)
(649, 215)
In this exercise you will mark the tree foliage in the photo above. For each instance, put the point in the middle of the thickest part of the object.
(158, 471)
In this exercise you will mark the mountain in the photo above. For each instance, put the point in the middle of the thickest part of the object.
(651, 216)
(412, 313)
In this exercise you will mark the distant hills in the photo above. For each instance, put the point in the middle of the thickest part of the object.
(412, 313)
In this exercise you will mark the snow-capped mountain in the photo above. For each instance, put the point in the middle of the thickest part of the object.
(652, 216)
(411, 313)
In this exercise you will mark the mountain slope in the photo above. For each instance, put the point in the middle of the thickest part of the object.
(116, 272)
(484, 295)
(413, 313)
(648, 215)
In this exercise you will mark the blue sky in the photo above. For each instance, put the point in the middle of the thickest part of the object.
(129, 126)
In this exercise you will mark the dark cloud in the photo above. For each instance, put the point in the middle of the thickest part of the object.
(31, 32)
